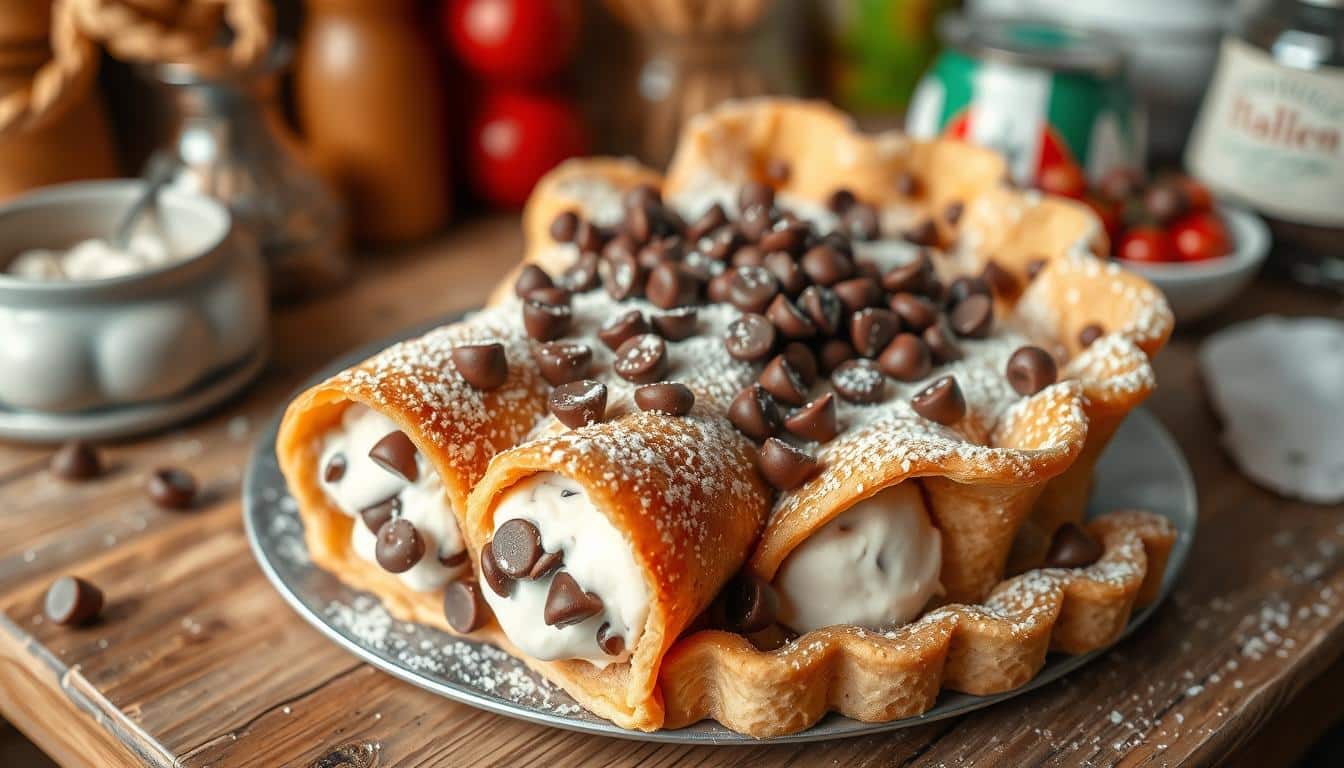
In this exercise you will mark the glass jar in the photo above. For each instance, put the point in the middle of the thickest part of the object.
(1270, 133)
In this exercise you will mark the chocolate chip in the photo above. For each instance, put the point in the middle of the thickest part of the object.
(582, 274)
(860, 222)
(546, 564)
(912, 277)
(530, 279)
(611, 643)
(787, 239)
(588, 237)
(783, 382)
(399, 547)
(710, 220)
(396, 454)
(789, 275)
(1072, 547)
(748, 256)
(72, 601)
(803, 362)
(789, 320)
(755, 195)
(561, 362)
(1089, 334)
(380, 512)
(579, 402)
(1031, 369)
(641, 359)
(637, 225)
(335, 469)
(567, 603)
(834, 353)
(545, 322)
(872, 329)
(784, 466)
(973, 317)
(916, 312)
(723, 243)
(952, 212)
(454, 559)
(941, 401)
(964, 287)
(751, 289)
(670, 287)
(1034, 268)
(670, 397)
(621, 328)
(172, 488)
(620, 271)
(1165, 201)
(463, 606)
(750, 337)
(1001, 282)
(550, 296)
(661, 251)
(906, 358)
(564, 227)
(859, 381)
(815, 421)
(493, 575)
(718, 287)
(941, 344)
(753, 223)
(516, 547)
(76, 460)
(840, 201)
(676, 324)
(483, 366)
(750, 604)
(857, 293)
(641, 196)
(925, 232)
(822, 307)
(825, 265)
(754, 413)
(906, 184)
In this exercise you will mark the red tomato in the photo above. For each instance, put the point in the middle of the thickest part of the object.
(515, 41)
(1064, 179)
(516, 138)
(1146, 244)
(1197, 194)
(1200, 236)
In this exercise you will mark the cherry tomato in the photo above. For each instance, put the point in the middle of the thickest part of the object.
(1120, 184)
(1200, 236)
(1146, 244)
(1198, 195)
(1064, 179)
(516, 138)
(514, 41)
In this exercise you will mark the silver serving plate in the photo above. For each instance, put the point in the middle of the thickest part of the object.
(1142, 468)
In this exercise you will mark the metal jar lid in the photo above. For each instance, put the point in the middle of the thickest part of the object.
(1032, 43)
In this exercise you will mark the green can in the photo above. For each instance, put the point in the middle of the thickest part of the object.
(1051, 99)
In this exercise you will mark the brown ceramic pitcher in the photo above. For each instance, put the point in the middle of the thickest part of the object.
(371, 104)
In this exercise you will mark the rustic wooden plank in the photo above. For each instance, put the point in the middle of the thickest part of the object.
(199, 661)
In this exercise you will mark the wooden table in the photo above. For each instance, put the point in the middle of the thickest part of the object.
(198, 662)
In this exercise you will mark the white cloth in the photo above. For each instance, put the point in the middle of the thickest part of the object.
(1279, 385)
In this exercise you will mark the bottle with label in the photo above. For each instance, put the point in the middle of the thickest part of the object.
(1270, 134)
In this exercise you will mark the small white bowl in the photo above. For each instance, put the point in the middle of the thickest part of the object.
(1195, 289)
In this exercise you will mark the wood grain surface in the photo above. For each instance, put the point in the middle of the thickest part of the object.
(197, 662)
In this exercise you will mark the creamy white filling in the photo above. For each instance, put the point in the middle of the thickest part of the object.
(364, 484)
(97, 259)
(875, 565)
(596, 554)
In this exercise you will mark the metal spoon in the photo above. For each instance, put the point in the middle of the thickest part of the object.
(157, 176)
